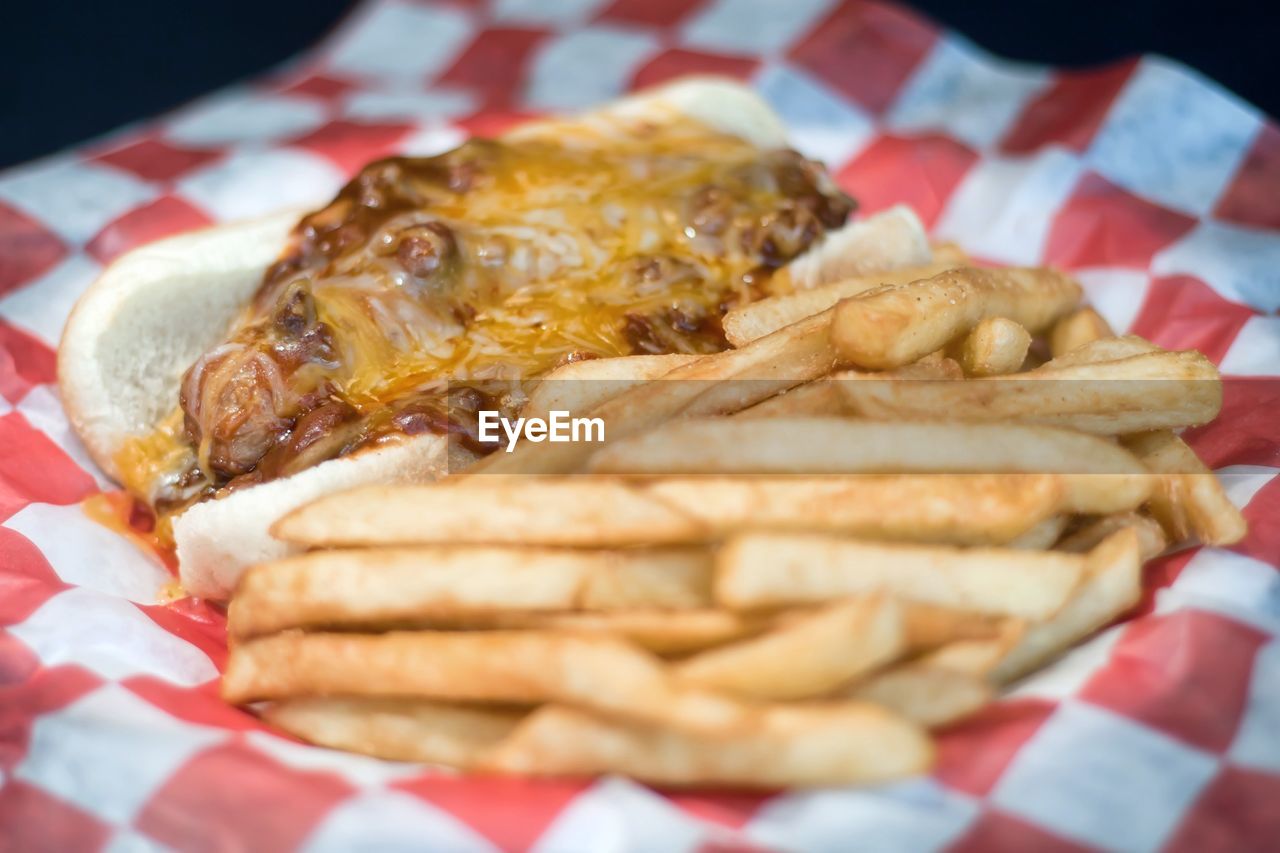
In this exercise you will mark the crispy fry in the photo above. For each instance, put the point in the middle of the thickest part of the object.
(894, 325)
(1151, 391)
(1113, 584)
(444, 585)
(490, 510)
(757, 319)
(522, 667)
(929, 626)
(962, 509)
(890, 239)
(396, 729)
(583, 385)
(929, 696)
(1101, 350)
(810, 656)
(775, 570)
(818, 399)
(841, 744)
(1077, 329)
(995, 346)
(718, 384)
(977, 657)
(1151, 536)
(1188, 498)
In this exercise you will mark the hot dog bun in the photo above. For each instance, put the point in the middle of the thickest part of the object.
(156, 309)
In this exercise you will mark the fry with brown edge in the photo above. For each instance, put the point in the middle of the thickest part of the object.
(1077, 329)
(520, 667)
(794, 746)
(760, 570)
(894, 325)
(1100, 477)
(491, 511)
(1101, 350)
(1188, 498)
(717, 384)
(807, 657)
(396, 729)
(996, 345)
(446, 584)
(1151, 536)
(1158, 390)
(582, 385)
(754, 320)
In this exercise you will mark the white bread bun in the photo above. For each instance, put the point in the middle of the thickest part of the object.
(156, 309)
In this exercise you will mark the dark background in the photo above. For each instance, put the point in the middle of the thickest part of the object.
(75, 70)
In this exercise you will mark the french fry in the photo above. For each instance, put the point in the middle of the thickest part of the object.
(929, 626)
(718, 384)
(894, 325)
(810, 656)
(583, 385)
(977, 657)
(1101, 350)
(1153, 391)
(1100, 476)
(995, 346)
(1151, 536)
(847, 743)
(816, 399)
(965, 509)
(1043, 535)
(1077, 329)
(446, 584)
(1112, 585)
(520, 667)
(490, 511)
(777, 570)
(926, 695)
(746, 323)
(890, 239)
(952, 253)
(396, 729)
(1188, 498)
(663, 632)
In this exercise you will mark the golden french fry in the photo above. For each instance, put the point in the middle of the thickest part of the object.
(807, 657)
(446, 584)
(1112, 585)
(781, 570)
(583, 385)
(1188, 498)
(926, 695)
(1151, 536)
(977, 657)
(965, 509)
(890, 239)
(894, 325)
(1043, 535)
(814, 399)
(1151, 391)
(840, 744)
(1077, 329)
(995, 346)
(929, 626)
(396, 729)
(842, 446)
(522, 667)
(717, 384)
(663, 632)
(1102, 350)
(765, 316)
(951, 253)
(490, 510)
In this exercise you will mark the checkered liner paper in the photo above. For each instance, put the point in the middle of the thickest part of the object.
(1159, 190)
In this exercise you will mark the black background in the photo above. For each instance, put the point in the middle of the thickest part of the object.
(75, 70)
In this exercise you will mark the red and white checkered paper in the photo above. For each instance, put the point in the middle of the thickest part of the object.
(1157, 188)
